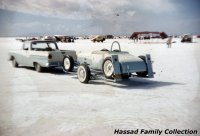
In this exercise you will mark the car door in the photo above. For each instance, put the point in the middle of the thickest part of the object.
(19, 56)
(26, 54)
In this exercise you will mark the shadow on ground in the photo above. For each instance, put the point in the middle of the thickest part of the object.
(56, 71)
(131, 83)
(135, 83)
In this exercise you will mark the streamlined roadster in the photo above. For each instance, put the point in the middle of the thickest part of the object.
(113, 64)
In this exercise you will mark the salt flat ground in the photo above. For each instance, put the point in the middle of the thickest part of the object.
(54, 103)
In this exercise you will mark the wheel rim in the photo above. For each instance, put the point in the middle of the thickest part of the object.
(66, 63)
(108, 68)
(81, 73)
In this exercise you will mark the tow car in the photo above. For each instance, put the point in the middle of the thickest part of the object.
(41, 54)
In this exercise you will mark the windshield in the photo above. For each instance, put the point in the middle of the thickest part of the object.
(44, 46)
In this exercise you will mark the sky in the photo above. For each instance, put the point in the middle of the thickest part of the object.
(90, 17)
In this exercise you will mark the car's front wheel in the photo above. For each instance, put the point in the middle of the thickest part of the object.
(38, 68)
(14, 63)
(83, 73)
(68, 63)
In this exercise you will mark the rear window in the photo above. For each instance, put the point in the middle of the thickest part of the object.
(42, 46)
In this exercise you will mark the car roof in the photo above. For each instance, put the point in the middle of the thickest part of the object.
(40, 41)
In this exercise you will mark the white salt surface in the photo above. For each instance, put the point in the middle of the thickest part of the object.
(57, 104)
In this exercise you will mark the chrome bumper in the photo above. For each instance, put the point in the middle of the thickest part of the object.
(54, 64)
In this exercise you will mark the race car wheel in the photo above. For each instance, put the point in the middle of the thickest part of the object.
(14, 63)
(108, 68)
(68, 63)
(83, 73)
(125, 76)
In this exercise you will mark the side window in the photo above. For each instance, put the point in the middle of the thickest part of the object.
(25, 46)
(52, 45)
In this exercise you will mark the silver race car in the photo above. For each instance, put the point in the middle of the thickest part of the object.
(113, 64)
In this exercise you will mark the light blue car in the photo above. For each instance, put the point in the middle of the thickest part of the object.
(42, 54)
(113, 64)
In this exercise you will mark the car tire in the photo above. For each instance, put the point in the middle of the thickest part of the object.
(83, 73)
(107, 68)
(142, 73)
(38, 68)
(68, 63)
(125, 76)
(104, 49)
(14, 63)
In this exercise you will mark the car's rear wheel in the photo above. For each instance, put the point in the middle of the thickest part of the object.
(14, 63)
(68, 63)
(83, 73)
(38, 68)
(125, 76)
(108, 68)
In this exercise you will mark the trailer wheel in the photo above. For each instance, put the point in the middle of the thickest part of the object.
(38, 68)
(142, 73)
(83, 73)
(108, 68)
(68, 63)
(14, 63)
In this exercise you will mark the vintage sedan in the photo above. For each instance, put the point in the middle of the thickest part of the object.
(113, 64)
(41, 54)
(186, 38)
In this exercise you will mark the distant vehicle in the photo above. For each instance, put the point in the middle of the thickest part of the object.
(99, 38)
(41, 54)
(109, 37)
(63, 38)
(113, 64)
(186, 38)
(48, 38)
